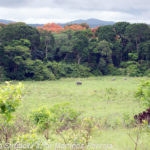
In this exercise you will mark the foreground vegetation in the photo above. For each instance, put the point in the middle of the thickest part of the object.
(100, 111)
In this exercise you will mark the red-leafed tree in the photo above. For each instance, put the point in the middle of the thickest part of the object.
(75, 27)
(94, 29)
(52, 27)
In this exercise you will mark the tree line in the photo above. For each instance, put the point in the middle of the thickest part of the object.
(30, 53)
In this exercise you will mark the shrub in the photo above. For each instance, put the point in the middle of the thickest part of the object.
(79, 137)
(127, 63)
(147, 73)
(68, 70)
(65, 116)
(56, 120)
(29, 141)
(79, 71)
(144, 66)
(2, 74)
(143, 92)
(37, 70)
(133, 70)
(96, 72)
(10, 99)
(43, 119)
(114, 71)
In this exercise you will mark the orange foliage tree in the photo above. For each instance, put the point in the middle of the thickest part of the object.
(52, 27)
(75, 27)
(94, 29)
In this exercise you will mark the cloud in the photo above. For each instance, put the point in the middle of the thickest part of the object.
(35, 11)
(13, 3)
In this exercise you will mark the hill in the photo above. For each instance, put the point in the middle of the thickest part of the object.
(91, 22)
(6, 21)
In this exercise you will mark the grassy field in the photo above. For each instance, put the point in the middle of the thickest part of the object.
(111, 102)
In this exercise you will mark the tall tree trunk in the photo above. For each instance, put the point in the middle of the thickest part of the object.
(46, 50)
(78, 58)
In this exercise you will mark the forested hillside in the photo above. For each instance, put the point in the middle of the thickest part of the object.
(51, 52)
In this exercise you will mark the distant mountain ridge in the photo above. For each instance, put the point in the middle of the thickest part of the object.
(92, 22)
(6, 21)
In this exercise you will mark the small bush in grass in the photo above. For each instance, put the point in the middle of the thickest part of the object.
(65, 116)
(143, 92)
(30, 141)
(80, 135)
(63, 120)
(57, 118)
(43, 119)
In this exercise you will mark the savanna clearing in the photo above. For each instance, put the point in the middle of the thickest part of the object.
(110, 100)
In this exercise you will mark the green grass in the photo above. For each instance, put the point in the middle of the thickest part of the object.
(101, 97)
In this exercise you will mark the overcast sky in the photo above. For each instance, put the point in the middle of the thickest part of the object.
(44, 11)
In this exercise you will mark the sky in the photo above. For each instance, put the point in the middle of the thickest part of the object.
(61, 11)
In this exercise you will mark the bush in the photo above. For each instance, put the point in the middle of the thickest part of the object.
(97, 72)
(122, 71)
(68, 70)
(43, 119)
(2, 74)
(30, 141)
(57, 119)
(144, 66)
(133, 70)
(37, 70)
(10, 99)
(143, 92)
(64, 116)
(113, 70)
(147, 73)
(125, 64)
(79, 71)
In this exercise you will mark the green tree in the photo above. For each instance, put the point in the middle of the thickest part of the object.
(47, 44)
(80, 46)
(117, 52)
(120, 29)
(64, 46)
(122, 41)
(138, 33)
(106, 33)
(104, 49)
(16, 53)
(19, 31)
(144, 51)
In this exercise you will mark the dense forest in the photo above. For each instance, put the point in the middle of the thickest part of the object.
(51, 52)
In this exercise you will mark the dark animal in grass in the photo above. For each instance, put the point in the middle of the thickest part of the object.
(145, 115)
(113, 79)
(79, 83)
